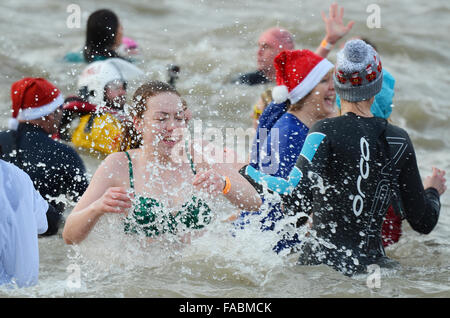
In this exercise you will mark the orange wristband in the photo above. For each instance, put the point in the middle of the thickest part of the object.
(227, 186)
(327, 46)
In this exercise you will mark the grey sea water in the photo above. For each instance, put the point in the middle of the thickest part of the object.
(212, 40)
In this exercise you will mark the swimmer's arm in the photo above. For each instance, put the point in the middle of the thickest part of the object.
(421, 206)
(335, 29)
(241, 194)
(104, 194)
(312, 162)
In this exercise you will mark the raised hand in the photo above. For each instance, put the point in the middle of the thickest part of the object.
(210, 181)
(114, 200)
(436, 180)
(334, 24)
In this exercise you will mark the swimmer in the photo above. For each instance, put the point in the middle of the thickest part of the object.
(276, 40)
(270, 43)
(382, 107)
(306, 91)
(103, 36)
(55, 168)
(354, 166)
(304, 95)
(153, 176)
(104, 39)
(173, 72)
(99, 106)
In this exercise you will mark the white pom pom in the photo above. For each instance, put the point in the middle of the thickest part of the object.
(13, 124)
(280, 94)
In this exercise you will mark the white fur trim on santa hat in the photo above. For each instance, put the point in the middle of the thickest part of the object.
(13, 124)
(38, 112)
(311, 80)
(280, 94)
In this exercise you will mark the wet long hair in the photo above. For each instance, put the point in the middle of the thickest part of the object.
(101, 33)
(132, 139)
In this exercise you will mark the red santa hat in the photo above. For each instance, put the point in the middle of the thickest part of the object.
(33, 98)
(298, 72)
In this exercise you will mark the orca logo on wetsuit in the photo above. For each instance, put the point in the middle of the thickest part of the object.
(358, 200)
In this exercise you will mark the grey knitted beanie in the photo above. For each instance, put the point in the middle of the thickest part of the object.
(358, 73)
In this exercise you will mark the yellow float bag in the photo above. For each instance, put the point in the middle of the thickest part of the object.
(98, 132)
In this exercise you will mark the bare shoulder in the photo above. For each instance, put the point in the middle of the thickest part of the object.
(114, 169)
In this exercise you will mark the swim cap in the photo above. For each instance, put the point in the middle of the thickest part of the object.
(127, 47)
(98, 74)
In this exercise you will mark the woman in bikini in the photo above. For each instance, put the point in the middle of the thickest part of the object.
(156, 188)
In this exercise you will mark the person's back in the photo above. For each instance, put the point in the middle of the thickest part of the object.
(352, 182)
(382, 106)
(56, 169)
(22, 218)
(353, 167)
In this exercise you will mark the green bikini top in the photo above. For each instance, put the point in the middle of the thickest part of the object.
(151, 219)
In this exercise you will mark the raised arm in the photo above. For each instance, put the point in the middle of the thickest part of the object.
(335, 29)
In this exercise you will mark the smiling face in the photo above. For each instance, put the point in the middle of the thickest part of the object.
(166, 114)
(321, 100)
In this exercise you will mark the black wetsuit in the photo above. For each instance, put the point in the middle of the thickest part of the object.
(348, 182)
(253, 78)
(55, 169)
